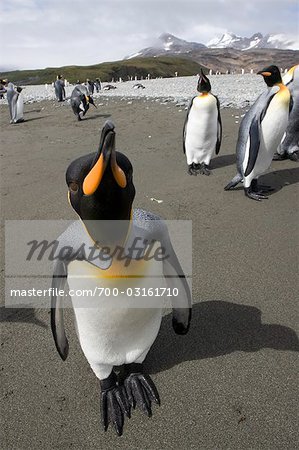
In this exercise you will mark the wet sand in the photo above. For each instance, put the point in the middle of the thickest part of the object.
(231, 382)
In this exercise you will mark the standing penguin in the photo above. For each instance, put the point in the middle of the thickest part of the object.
(15, 103)
(98, 85)
(202, 129)
(260, 133)
(115, 331)
(59, 88)
(289, 146)
(80, 101)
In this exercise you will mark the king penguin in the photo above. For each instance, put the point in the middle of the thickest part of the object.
(80, 101)
(260, 133)
(15, 103)
(202, 128)
(289, 146)
(59, 86)
(100, 189)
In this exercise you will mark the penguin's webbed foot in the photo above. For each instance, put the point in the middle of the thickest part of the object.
(114, 404)
(254, 195)
(191, 170)
(204, 170)
(140, 389)
(294, 156)
(279, 157)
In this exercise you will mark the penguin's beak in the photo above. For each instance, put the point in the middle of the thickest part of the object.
(264, 73)
(105, 155)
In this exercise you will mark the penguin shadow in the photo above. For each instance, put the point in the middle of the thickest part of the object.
(96, 116)
(32, 111)
(217, 328)
(223, 161)
(278, 179)
(34, 118)
(25, 315)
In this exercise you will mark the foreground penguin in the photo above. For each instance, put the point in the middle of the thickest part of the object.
(202, 129)
(260, 133)
(80, 101)
(289, 146)
(15, 103)
(115, 331)
(59, 86)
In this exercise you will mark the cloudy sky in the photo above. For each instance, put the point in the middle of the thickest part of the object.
(47, 33)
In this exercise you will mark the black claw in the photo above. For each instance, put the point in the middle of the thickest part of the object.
(204, 170)
(150, 388)
(294, 156)
(123, 401)
(254, 195)
(140, 389)
(191, 170)
(114, 404)
(279, 157)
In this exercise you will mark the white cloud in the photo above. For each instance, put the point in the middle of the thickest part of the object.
(43, 33)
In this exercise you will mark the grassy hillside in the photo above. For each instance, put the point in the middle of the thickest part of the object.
(163, 66)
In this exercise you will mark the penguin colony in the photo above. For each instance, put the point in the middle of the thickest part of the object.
(100, 188)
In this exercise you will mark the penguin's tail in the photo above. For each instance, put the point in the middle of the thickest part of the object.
(233, 182)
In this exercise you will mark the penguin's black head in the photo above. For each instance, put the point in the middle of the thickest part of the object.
(203, 84)
(101, 186)
(271, 75)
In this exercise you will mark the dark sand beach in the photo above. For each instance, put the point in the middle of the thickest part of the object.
(231, 382)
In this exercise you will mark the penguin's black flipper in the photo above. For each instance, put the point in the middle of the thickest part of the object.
(57, 323)
(254, 145)
(181, 305)
(219, 128)
(155, 228)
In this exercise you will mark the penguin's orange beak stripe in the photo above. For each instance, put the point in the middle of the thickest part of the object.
(93, 179)
(118, 174)
(266, 74)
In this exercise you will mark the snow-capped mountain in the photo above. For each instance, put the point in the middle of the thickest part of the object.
(168, 44)
(257, 40)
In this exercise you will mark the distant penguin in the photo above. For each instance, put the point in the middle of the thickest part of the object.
(115, 330)
(98, 85)
(289, 146)
(15, 103)
(90, 86)
(202, 129)
(80, 101)
(59, 88)
(108, 87)
(138, 86)
(260, 133)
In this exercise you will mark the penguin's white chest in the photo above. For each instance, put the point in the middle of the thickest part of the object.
(118, 329)
(201, 130)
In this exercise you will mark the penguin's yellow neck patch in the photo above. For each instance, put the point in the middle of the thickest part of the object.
(292, 70)
(283, 93)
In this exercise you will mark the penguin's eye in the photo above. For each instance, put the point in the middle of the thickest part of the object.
(73, 187)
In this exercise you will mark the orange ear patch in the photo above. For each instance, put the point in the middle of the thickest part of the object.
(266, 74)
(94, 177)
